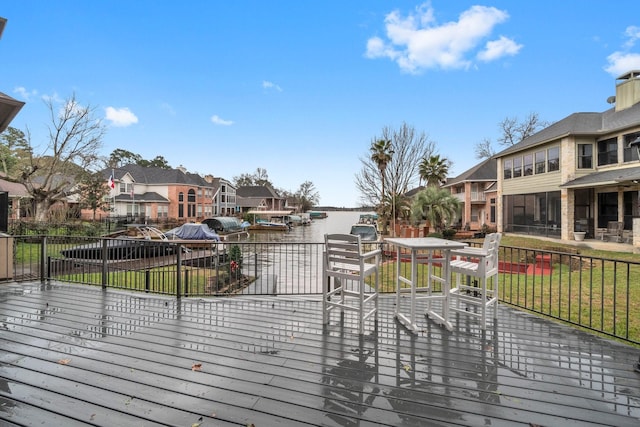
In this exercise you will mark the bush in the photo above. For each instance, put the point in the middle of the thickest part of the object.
(448, 233)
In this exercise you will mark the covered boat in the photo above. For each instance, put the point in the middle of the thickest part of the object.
(192, 231)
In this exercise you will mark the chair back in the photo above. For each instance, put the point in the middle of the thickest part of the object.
(343, 252)
(492, 247)
(615, 227)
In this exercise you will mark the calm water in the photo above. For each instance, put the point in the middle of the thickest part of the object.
(335, 222)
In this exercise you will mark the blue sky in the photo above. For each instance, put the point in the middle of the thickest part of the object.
(301, 88)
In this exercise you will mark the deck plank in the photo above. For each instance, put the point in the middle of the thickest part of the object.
(269, 361)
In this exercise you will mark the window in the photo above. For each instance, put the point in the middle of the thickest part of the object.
(608, 152)
(492, 214)
(585, 156)
(553, 159)
(507, 169)
(630, 153)
(528, 164)
(540, 162)
(181, 196)
(517, 167)
(607, 208)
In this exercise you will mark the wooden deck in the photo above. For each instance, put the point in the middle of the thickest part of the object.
(77, 355)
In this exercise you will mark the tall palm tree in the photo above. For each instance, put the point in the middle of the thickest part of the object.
(433, 170)
(437, 205)
(381, 155)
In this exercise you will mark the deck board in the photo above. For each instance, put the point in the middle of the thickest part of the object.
(269, 361)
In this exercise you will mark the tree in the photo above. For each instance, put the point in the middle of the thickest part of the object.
(120, 157)
(433, 170)
(92, 191)
(307, 196)
(513, 131)
(13, 150)
(75, 137)
(437, 205)
(381, 155)
(259, 177)
(401, 173)
(157, 162)
(484, 150)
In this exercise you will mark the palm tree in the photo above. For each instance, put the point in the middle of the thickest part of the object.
(381, 155)
(436, 205)
(433, 170)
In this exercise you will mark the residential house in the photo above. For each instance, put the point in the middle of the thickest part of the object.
(224, 198)
(157, 193)
(476, 189)
(577, 174)
(259, 197)
(9, 108)
(19, 199)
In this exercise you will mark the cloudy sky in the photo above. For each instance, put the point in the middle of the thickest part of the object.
(302, 88)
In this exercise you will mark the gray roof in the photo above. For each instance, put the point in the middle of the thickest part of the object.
(9, 108)
(149, 196)
(609, 177)
(590, 124)
(484, 171)
(155, 175)
(260, 191)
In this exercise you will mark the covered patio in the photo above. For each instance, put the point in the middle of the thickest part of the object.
(79, 355)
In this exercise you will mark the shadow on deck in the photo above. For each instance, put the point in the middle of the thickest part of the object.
(77, 355)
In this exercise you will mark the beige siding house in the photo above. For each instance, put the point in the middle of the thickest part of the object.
(576, 175)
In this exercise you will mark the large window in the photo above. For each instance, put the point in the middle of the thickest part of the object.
(585, 156)
(608, 152)
(507, 169)
(535, 213)
(630, 153)
(553, 159)
(517, 167)
(528, 164)
(541, 159)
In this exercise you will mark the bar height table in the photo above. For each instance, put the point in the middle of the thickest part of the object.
(428, 245)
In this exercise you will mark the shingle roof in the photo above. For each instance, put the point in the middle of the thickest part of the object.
(257, 191)
(605, 178)
(484, 171)
(150, 196)
(155, 175)
(594, 124)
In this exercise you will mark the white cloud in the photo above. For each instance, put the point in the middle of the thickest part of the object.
(417, 42)
(623, 61)
(120, 117)
(270, 85)
(620, 63)
(498, 48)
(633, 33)
(219, 121)
(24, 93)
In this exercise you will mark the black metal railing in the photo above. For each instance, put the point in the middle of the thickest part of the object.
(595, 293)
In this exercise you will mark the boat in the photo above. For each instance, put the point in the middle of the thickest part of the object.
(228, 227)
(369, 236)
(317, 215)
(270, 220)
(367, 232)
(137, 241)
(264, 225)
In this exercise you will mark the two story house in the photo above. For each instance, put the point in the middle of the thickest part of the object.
(476, 190)
(158, 193)
(577, 174)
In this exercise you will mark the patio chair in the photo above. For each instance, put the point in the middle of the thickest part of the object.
(614, 231)
(347, 268)
(480, 266)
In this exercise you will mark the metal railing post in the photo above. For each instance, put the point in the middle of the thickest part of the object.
(178, 270)
(43, 258)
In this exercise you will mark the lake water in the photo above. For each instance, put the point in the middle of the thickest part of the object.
(335, 222)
